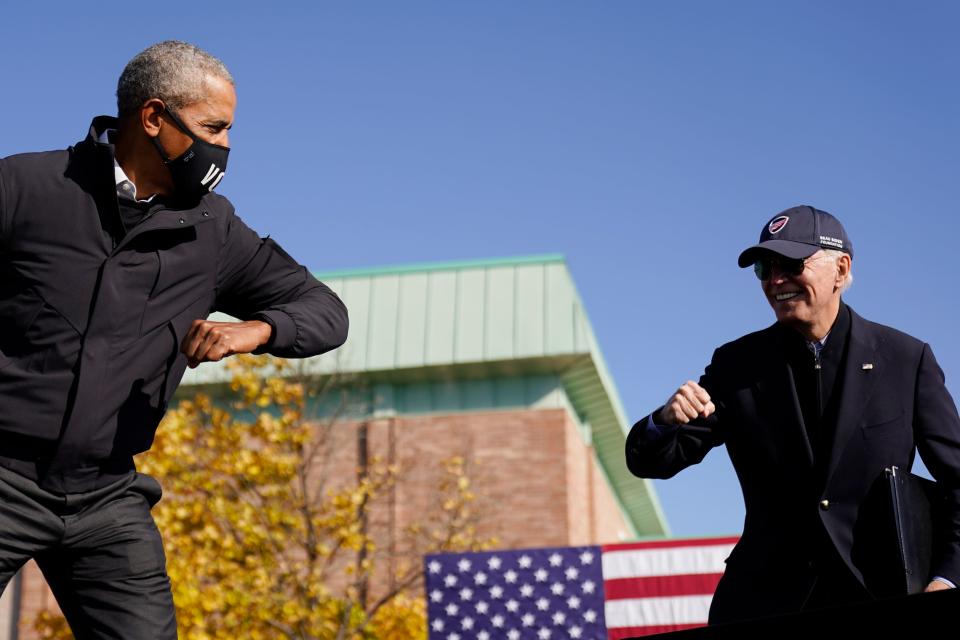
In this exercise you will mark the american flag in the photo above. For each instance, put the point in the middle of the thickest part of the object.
(604, 592)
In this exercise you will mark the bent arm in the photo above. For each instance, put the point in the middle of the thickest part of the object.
(937, 427)
(655, 449)
(4, 216)
(258, 280)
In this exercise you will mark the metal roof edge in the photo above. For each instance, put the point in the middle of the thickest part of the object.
(619, 478)
(440, 266)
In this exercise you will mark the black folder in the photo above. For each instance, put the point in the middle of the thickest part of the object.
(913, 507)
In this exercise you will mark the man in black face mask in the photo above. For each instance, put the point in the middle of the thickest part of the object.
(112, 254)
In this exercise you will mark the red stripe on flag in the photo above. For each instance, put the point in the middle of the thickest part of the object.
(665, 544)
(697, 584)
(619, 633)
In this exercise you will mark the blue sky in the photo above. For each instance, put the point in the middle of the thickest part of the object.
(646, 141)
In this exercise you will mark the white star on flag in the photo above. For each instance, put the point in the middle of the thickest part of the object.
(467, 624)
(480, 578)
(541, 575)
(559, 617)
(590, 616)
(572, 573)
(513, 606)
(573, 602)
(526, 591)
(586, 557)
(452, 609)
(493, 563)
(436, 595)
(575, 632)
(543, 634)
(588, 586)
(466, 594)
(464, 565)
(556, 588)
(434, 567)
(528, 619)
(496, 591)
(437, 625)
(556, 560)
(510, 576)
(482, 607)
(450, 580)
(543, 604)
(525, 562)
(513, 634)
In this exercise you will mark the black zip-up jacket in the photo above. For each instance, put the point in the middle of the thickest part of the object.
(91, 318)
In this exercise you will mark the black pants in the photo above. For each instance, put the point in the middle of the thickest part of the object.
(100, 552)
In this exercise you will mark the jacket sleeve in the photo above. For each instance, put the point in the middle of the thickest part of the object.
(937, 428)
(661, 451)
(4, 215)
(257, 279)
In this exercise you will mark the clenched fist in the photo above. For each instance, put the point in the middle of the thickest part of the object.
(209, 341)
(691, 401)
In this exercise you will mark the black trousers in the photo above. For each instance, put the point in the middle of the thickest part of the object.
(100, 552)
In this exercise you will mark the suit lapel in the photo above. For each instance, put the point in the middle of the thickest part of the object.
(856, 387)
(776, 396)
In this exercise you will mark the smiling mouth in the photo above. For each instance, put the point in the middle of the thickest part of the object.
(780, 297)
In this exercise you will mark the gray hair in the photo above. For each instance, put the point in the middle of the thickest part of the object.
(172, 71)
(835, 254)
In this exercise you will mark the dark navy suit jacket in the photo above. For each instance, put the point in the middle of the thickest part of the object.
(893, 403)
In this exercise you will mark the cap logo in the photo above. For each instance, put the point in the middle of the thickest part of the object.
(777, 224)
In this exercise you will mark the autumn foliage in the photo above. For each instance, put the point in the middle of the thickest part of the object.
(263, 542)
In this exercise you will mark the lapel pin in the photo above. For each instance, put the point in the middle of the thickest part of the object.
(867, 366)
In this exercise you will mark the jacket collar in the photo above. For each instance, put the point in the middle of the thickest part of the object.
(777, 390)
(97, 159)
(859, 381)
(91, 166)
(777, 400)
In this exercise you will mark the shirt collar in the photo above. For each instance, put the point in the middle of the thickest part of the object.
(125, 187)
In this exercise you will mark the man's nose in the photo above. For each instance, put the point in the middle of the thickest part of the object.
(777, 274)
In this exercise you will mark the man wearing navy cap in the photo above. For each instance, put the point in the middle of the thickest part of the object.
(812, 410)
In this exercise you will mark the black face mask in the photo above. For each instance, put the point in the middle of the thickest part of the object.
(197, 170)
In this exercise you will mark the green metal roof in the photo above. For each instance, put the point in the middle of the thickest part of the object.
(510, 316)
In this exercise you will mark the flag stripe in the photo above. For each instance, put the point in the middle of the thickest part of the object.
(669, 544)
(632, 632)
(664, 561)
(659, 586)
(656, 611)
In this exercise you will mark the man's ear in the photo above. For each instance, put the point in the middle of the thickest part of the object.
(843, 268)
(150, 116)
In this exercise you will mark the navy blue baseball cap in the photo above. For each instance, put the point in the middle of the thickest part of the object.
(799, 232)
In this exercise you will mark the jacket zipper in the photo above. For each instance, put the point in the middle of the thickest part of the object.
(818, 369)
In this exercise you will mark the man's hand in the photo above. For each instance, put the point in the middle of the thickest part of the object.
(937, 585)
(209, 341)
(691, 401)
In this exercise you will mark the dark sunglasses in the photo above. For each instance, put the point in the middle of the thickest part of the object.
(763, 267)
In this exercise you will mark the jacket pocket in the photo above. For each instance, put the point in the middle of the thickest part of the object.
(187, 269)
(18, 312)
(883, 427)
(179, 327)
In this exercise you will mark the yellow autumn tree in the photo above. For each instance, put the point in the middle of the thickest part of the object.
(263, 540)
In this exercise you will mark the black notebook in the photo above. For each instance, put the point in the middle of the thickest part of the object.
(913, 505)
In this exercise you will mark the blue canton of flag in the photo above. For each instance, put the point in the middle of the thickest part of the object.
(535, 594)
